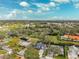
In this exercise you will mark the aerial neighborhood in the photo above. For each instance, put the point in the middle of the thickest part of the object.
(39, 40)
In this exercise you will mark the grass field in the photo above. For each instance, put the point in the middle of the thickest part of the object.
(60, 57)
(2, 52)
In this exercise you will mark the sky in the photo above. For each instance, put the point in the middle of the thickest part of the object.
(39, 9)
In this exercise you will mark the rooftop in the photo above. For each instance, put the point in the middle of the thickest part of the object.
(73, 37)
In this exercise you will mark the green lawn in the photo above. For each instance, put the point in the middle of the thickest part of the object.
(52, 39)
(33, 40)
(60, 57)
(2, 52)
(12, 56)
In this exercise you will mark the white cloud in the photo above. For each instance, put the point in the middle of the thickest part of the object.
(30, 11)
(24, 4)
(15, 15)
(58, 18)
(76, 5)
(62, 1)
(58, 8)
(12, 14)
(41, 5)
(0, 17)
(39, 11)
(52, 4)
(46, 7)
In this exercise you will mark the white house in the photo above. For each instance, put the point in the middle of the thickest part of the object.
(73, 52)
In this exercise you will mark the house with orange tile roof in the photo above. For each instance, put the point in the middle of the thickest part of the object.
(72, 37)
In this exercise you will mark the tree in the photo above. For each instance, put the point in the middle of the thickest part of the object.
(12, 34)
(1, 37)
(31, 53)
(65, 51)
(13, 42)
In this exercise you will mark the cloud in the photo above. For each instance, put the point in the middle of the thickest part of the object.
(46, 7)
(62, 1)
(17, 14)
(39, 11)
(12, 14)
(24, 4)
(76, 5)
(52, 4)
(30, 11)
(0, 17)
(56, 18)
(41, 5)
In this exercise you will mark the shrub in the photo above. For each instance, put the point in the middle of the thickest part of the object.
(31, 53)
